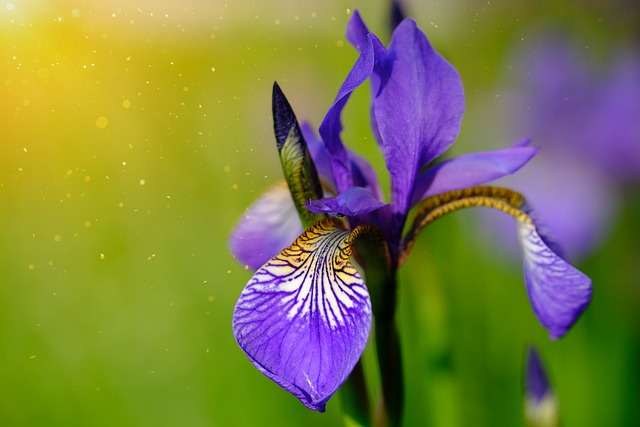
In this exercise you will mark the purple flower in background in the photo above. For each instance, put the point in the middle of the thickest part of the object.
(303, 319)
(541, 406)
(585, 117)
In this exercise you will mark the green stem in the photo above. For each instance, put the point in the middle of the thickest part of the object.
(380, 273)
(355, 399)
(389, 357)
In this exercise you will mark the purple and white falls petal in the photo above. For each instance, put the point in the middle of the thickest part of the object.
(558, 292)
(304, 317)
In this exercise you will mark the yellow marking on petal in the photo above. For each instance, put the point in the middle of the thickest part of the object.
(315, 268)
(432, 208)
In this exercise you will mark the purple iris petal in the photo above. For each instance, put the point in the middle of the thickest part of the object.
(558, 292)
(331, 125)
(418, 106)
(269, 225)
(359, 36)
(470, 170)
(304, 317)
(357, 32)
(364, 175)
(354, 201)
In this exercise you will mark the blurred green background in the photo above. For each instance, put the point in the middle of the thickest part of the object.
(133, 136)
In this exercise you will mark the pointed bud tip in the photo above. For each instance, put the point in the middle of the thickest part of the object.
(537, 382)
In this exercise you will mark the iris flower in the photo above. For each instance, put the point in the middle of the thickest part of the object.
(304, 317)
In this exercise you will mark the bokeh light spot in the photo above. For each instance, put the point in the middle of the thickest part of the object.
(102, 122)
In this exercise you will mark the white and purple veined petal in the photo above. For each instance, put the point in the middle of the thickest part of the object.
(304, 317)
(558, 291)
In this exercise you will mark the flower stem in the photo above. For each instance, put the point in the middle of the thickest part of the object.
(373, 255)
(355, 399)
(389, 357)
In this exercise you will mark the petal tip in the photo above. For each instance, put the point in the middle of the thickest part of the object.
(559, 292)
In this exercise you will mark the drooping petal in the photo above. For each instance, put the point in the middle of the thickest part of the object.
(558, 292)
(297, 164)
(304, 317)
(418, 107)
(354, 201)
(331, 125)
(470, 170)
(269, 225)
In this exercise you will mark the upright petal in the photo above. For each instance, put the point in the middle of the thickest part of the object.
(558, 292)
(418, 107)
(331, 125)
(357, 32)
(269, 225)
(362, 173)
(304, 317)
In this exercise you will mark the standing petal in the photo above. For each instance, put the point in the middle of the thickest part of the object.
(559, 292)
(418, 107)
(331, 125)
(269, 225)
(304, 317)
